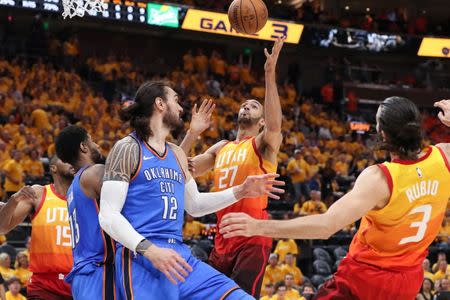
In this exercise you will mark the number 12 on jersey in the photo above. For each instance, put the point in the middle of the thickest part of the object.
(170, 208)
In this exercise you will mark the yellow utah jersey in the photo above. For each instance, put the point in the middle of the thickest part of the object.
(51, 247)
(399, 234)
(234, 163)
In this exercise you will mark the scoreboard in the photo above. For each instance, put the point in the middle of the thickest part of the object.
(132, 11)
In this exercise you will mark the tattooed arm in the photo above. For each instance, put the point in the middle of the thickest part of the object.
(120, 165)
(121, 162)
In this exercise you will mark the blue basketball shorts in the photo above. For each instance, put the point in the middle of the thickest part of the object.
(137, 278)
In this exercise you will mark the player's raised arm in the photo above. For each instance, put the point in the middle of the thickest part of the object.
(199, 204)
(18, 207)
(271, 136)
(444, 116)
(200, 121)
(350, 208)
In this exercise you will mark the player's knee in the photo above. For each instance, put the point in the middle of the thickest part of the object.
(238, 294)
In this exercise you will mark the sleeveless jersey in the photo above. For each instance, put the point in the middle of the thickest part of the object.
(155, 201)
(91, 245)
(234, 162)
(51, 250)
(398, 235)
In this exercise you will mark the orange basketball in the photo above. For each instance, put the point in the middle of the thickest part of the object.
(247, 16)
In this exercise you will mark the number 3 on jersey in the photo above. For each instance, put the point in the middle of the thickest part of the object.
(422, 225)
(227, 176)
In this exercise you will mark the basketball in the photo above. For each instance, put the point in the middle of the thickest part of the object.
(247, 16)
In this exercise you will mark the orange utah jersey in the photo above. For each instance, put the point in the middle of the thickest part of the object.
(51, 247)
(398, 235)
(234, 163)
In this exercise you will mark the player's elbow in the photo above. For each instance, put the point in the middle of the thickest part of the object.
(193, 212)
(104, 219)
(329, 227)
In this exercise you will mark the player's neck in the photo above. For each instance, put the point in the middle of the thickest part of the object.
(61, 185)
(159, 135)
(245, 133)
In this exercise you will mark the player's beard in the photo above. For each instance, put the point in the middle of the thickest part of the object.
(172, 120)
(247, 121)
(97, 157)
(66, 175)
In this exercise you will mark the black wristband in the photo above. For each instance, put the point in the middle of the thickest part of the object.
(143, 246)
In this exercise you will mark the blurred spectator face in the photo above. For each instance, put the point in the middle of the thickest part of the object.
(22, 260)
(34, 155)
(16, 155)
(426, 265)
(281, 291)
(5, 260)
(269, 289)
(315, 195)
(289, 259)
(298, 154)
(289, 281)
(445, 284)
(442, 266)
(14, 287)
(273, 259)
(308, 290)
(251, 113)
(426, 285)
(442, 256)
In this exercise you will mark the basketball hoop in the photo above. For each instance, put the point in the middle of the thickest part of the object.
(80, 7)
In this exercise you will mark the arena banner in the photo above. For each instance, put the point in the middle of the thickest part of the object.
(162, 15)
(434, 47)
(212, 22)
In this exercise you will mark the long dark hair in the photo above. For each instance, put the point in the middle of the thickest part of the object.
(400, 120)
(139, 111)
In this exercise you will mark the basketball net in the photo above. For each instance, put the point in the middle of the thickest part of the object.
(78, 8)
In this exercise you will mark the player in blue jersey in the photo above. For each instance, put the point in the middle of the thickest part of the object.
(146, 188)
(92, 275)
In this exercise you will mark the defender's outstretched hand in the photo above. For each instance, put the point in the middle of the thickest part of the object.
(444, 115)
(201, 118)
(272, 58)
(261, 185)
(238, 224)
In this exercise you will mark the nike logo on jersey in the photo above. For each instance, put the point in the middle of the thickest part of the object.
(148, 157)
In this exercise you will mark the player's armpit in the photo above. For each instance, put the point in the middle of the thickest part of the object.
(445, 147)
(182, 160)
(268, 144)
(122, 161)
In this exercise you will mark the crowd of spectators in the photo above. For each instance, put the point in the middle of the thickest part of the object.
(319, 159)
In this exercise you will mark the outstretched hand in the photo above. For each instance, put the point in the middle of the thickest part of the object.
(201, 118)
(444, 115)
(272, 58)
(238, 224)
(262, 185)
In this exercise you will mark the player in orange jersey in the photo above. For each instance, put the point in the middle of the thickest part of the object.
(253, 152)
(401, 203)
(51, 248)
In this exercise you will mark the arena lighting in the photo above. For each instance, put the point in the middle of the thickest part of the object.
(347, 7)
(434, 47)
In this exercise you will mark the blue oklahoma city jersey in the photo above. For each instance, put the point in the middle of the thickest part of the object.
(91, 246)
(155, 199)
